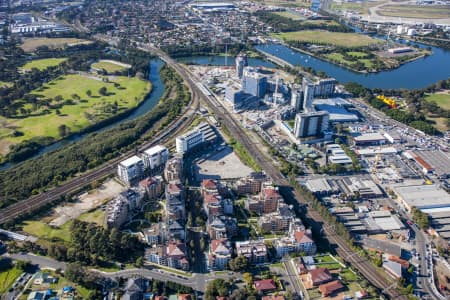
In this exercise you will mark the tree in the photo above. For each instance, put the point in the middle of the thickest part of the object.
(103, 91)
(89, 93)
(248, 278)
(139, 262)
(24, 265)
(62, 130)
(240, 263)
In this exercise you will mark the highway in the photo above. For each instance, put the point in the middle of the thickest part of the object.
(72, 185)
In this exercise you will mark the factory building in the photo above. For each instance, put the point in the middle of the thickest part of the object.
(130, 169)
(310, 124)
(254, 83)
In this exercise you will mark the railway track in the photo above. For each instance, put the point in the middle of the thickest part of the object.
(35, 202)
(316, 220)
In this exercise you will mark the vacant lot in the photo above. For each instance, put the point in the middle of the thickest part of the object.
(415, 11)
(42, 64)
(222, 165)
(287, 3)
(83, 207)
(29, 45)
(362, 7)
(326, 37)
(110, 66)
(442, 99)
(81, 105)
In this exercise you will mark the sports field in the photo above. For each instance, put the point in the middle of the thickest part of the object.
(110, 66)
(42, 64)
(441, 99)
(78, 110)
(415, 11)
(29, 45)
(326, 37)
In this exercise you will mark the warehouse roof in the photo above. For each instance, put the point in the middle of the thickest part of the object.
(424, 196)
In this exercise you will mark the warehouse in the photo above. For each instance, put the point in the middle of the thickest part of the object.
(424, 197)
(366, 139)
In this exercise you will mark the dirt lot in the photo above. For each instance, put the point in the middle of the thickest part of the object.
(221, 165)
(86, 202)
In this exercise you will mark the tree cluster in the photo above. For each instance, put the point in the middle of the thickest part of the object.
(90, 244)
(284, 24)
(50, 169)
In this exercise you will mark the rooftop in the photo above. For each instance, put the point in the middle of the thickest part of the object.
(424, 196)
(131, 161)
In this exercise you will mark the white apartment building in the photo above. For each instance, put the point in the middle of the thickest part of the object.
(130, 169)
(189, 140)
(155, 157)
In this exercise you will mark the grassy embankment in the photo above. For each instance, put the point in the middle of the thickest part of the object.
(110, 66)
(42, 64)
(87, 110)
(7, 278)
(442, 99)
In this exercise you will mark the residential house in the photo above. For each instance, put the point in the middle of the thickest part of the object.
(134, 289)
(265, 286)
(319, 276)
(330, 288)
(175, 201)
(153, 186)
(250, 184)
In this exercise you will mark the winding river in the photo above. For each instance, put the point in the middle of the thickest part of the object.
(146, 105)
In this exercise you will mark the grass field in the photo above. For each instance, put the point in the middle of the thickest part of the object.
(43, 231)
(97, 216)
(340, 59)
(290, 15)
(441, 99)
(29, 45)
(331, 38)
(42, 64)
(110, 66)
(415, 11)
(7, 278)
(82, 113)
(357, 54)
(287, 3)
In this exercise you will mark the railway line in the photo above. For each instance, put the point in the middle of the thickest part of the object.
(33, 203)
(361, 264)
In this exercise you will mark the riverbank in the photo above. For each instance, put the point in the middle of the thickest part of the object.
(149, 101)
(436, 66)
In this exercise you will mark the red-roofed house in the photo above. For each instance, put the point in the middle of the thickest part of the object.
(209, 186)
(319, 276)
(160, 298)
(330, 288)
(266, 285)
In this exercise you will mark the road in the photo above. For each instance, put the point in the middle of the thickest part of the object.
(72, 185)
(314, 219)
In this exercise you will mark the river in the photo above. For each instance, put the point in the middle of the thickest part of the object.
(413, 75)
(148, 103)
